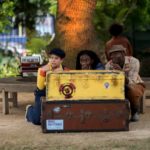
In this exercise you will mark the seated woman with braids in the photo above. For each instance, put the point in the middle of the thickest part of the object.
(88, 60)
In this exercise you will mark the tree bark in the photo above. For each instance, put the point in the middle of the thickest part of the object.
(74, 28)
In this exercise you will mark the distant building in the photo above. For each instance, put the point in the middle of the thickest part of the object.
(16, 39)
(45, 25)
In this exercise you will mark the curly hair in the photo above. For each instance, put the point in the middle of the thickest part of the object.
(116, 29)
(91, 54)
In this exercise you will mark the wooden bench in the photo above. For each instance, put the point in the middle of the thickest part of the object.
(11, 86)
(145, 96)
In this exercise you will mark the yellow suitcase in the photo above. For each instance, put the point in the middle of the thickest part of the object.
(85, 85)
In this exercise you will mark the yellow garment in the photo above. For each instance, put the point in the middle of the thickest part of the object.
(41, 77)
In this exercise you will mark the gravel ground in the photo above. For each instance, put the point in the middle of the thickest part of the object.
(17, 134)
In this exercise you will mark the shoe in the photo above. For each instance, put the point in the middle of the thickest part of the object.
(135, 117)
(27, 108)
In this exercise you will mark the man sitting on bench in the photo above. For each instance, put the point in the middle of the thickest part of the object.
(134, 86)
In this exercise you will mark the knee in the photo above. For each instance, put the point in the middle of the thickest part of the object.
(132, 91)
(39, 93)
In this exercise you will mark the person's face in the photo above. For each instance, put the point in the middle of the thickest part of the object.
(118, 58)
(85, 62)
(55, 61)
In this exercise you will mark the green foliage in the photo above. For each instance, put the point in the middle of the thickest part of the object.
(36, 44)
(128, 12)
(53, 7)
(9, 65)
(6, 11)
(140, 17)
(27, 10)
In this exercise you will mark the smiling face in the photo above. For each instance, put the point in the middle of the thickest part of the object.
(85, 62)
(55, 61)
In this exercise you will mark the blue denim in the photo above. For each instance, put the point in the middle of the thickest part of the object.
(100, 66)
(33, 113)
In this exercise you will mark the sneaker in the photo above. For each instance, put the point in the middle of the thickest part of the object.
(135, 117)
(27, 108)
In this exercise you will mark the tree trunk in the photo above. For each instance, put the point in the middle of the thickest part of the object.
(74, 28)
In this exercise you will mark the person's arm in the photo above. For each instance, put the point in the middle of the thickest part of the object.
(133, 74)
(41, 77)
(116, 67)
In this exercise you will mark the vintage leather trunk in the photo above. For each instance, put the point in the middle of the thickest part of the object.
(85, 115)
(85, 85)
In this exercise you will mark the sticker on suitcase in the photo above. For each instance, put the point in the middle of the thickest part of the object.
(53, 124)
(106, 85)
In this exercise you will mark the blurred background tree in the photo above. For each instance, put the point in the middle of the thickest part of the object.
(6, 12)
(26, 11)
(74, 28)
(37, 43)
(133, 14)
